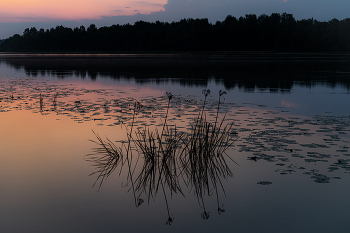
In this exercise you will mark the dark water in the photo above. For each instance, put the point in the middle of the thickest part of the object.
(290, 134)
(277, 72)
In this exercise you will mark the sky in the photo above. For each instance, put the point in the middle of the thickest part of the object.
(17, 15)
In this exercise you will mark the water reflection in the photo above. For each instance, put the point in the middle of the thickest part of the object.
(278, 151)
(164, 159)
(271, 72)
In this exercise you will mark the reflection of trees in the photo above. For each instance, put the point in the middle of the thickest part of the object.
(249, 72)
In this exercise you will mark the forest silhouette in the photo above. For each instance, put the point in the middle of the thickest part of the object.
(276, 33)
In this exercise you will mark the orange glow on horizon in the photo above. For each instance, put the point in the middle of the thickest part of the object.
(42, 10)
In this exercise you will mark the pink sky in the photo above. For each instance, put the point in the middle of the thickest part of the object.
(43, 10)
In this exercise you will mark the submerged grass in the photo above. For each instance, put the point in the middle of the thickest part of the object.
(196, 159)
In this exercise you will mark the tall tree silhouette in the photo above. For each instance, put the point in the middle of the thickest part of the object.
(277, 32)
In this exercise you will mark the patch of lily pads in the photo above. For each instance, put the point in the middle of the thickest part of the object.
(261, 135)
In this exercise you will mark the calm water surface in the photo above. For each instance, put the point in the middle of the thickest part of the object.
(291, 122)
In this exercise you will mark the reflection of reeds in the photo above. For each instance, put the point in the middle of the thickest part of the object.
(41, 102)
(203, 157)
(203, 160)
(196, 158)
(106, 158)
(159, 155)
(54, 102)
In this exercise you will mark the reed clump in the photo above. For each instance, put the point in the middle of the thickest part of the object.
(170, 160)
(203, 157)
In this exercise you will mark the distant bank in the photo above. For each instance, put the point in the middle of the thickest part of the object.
(274, 33)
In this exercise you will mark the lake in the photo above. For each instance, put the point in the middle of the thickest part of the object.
(83, 138)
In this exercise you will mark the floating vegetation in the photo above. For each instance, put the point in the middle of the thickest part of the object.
(320, 178)
(169, 136)
(264, 182)
(340, 164)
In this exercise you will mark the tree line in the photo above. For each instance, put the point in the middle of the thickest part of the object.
(277, 32)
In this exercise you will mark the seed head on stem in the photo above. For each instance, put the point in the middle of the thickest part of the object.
(170, 96)
(221, 92)
(206, 92)
(138, 105)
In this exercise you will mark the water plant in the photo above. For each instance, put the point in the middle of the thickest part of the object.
(159, 153)
(54, 101)
(169, 159)
(41, 102)
(203, 158)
